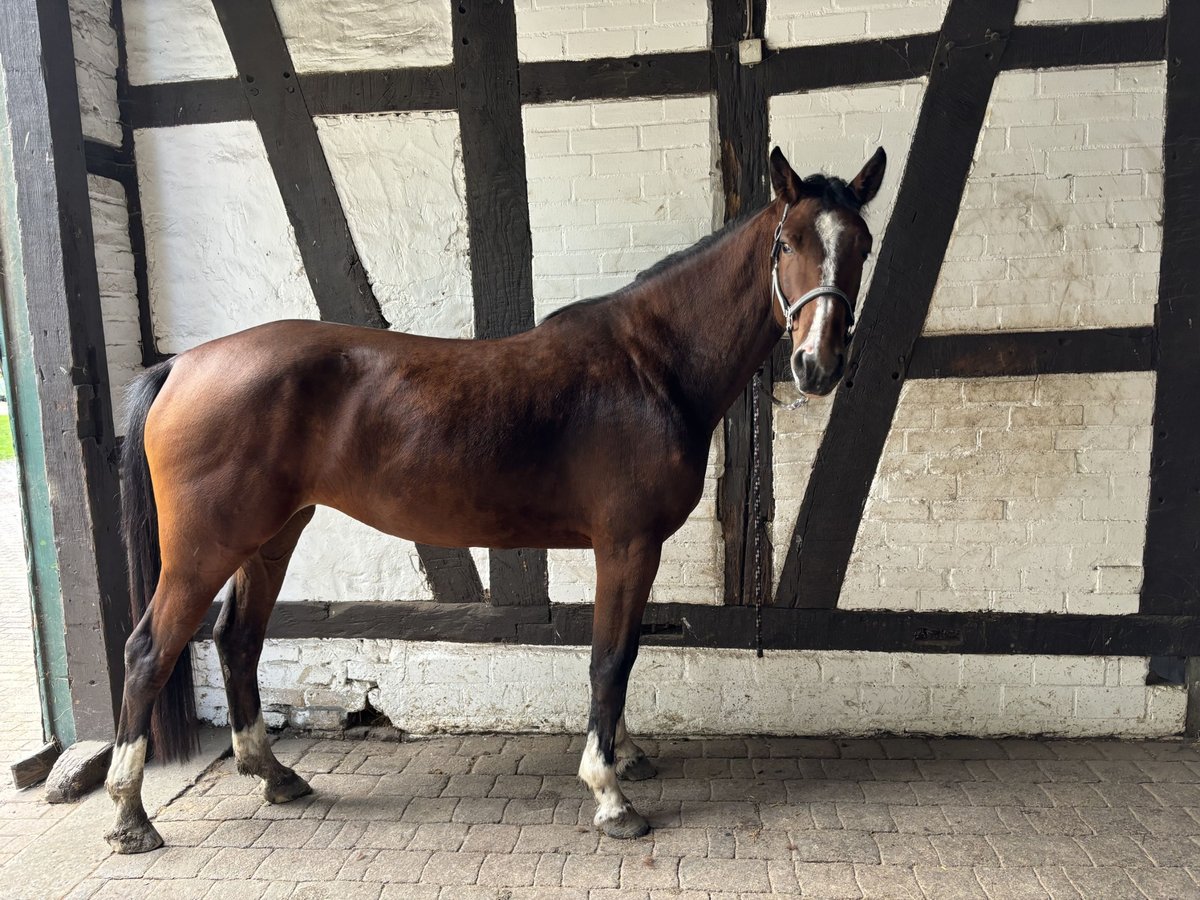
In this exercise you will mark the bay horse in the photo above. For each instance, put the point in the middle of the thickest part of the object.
(591, 430)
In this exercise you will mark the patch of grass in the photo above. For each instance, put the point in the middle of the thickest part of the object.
(6, 444)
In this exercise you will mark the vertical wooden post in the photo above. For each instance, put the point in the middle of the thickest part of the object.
(59, 371)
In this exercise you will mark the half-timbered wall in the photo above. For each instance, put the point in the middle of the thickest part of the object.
(1001, 481)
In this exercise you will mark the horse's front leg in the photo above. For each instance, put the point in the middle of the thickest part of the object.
(624, 573)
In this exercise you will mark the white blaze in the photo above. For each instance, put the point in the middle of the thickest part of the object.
(829, 230)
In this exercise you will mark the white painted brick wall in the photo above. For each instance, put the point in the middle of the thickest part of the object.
(588, 29)
(95, 45)
(1012, 495)
(401, 183)
(1083, 10)
(836, 131)
(175, 40)
(792, 23)
(613, 188)
(429, 687)
(118, 289)
(343, 35)
(221, 253)
(1060, 225)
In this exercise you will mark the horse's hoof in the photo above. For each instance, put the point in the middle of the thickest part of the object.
(285, 788)
(637, 769)
(136, 838)
(626, 826)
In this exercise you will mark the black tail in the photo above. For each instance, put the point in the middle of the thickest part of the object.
(173, 731)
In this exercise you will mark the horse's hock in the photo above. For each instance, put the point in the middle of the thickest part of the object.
(989, 528)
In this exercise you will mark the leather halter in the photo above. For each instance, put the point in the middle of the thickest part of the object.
(793, 309)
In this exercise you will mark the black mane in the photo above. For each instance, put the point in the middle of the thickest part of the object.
(831, 192)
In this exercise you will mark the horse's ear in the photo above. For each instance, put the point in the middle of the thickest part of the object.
(783, 179)
(866, 183)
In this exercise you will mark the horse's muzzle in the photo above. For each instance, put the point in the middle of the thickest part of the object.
(816, 373)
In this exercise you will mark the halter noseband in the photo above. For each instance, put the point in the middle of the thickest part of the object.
(793, 309)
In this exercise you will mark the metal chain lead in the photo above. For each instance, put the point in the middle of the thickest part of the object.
(756, 521)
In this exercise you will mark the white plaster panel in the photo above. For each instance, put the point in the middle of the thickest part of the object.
(175, 40)
(615, 187)
(95, 45)
(793, 23)
(1010, 495)
(431, 687)
(1061, 220)
(589, 29)
(221, 253)
(401, 183)
(692, 566)
(341, 559)
(1029, 11)
(833, 131)
(344, 35)
(118, 289)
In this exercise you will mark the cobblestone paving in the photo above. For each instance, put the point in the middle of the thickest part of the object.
(20, 712)
(503, 818)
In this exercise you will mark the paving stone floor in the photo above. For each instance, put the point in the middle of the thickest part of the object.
(503, 818)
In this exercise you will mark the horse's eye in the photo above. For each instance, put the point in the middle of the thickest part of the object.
(786, 248)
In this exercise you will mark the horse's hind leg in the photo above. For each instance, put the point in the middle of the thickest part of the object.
(180, 602)
(623, 579)
(239, 633)
(632, 763)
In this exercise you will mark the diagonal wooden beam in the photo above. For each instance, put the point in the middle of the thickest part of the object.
(493, 142)
(742, 131)
(1171, 561)
(339, 283)
(965, 65)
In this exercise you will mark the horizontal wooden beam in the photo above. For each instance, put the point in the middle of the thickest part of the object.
(1086, 44)
(732, 627)
(787, 70)
(107, 161)
(202, 102)
(654, 75)
(1014, 354)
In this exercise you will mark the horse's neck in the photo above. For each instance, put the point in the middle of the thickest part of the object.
(714, 313)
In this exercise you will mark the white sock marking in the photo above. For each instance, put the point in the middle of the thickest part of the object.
(125, 770)
(602, 779)
(250, 745)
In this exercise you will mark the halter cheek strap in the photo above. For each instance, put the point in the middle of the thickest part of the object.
(793, 309)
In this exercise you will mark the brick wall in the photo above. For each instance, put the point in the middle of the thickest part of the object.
(1077, 10)
(175, 40)
(365, 34)
(613, 188)
(793, 23)
(427, 687)
(587, 29)
(118, 292)
(1012, 495)
(1061, 221)
(95, 45)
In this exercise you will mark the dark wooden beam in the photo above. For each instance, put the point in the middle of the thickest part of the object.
(56, 356)
(202, 102)
(732, 627)
(276, 100)
(742, 133)
(965, 65)
(1086, 44)
(1015, 354)
(654, 75)
(493, 141)
(106, 161)
(796, 69)
(1172, 556)
(379, 91)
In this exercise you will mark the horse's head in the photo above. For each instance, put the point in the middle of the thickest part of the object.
(817, 261)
